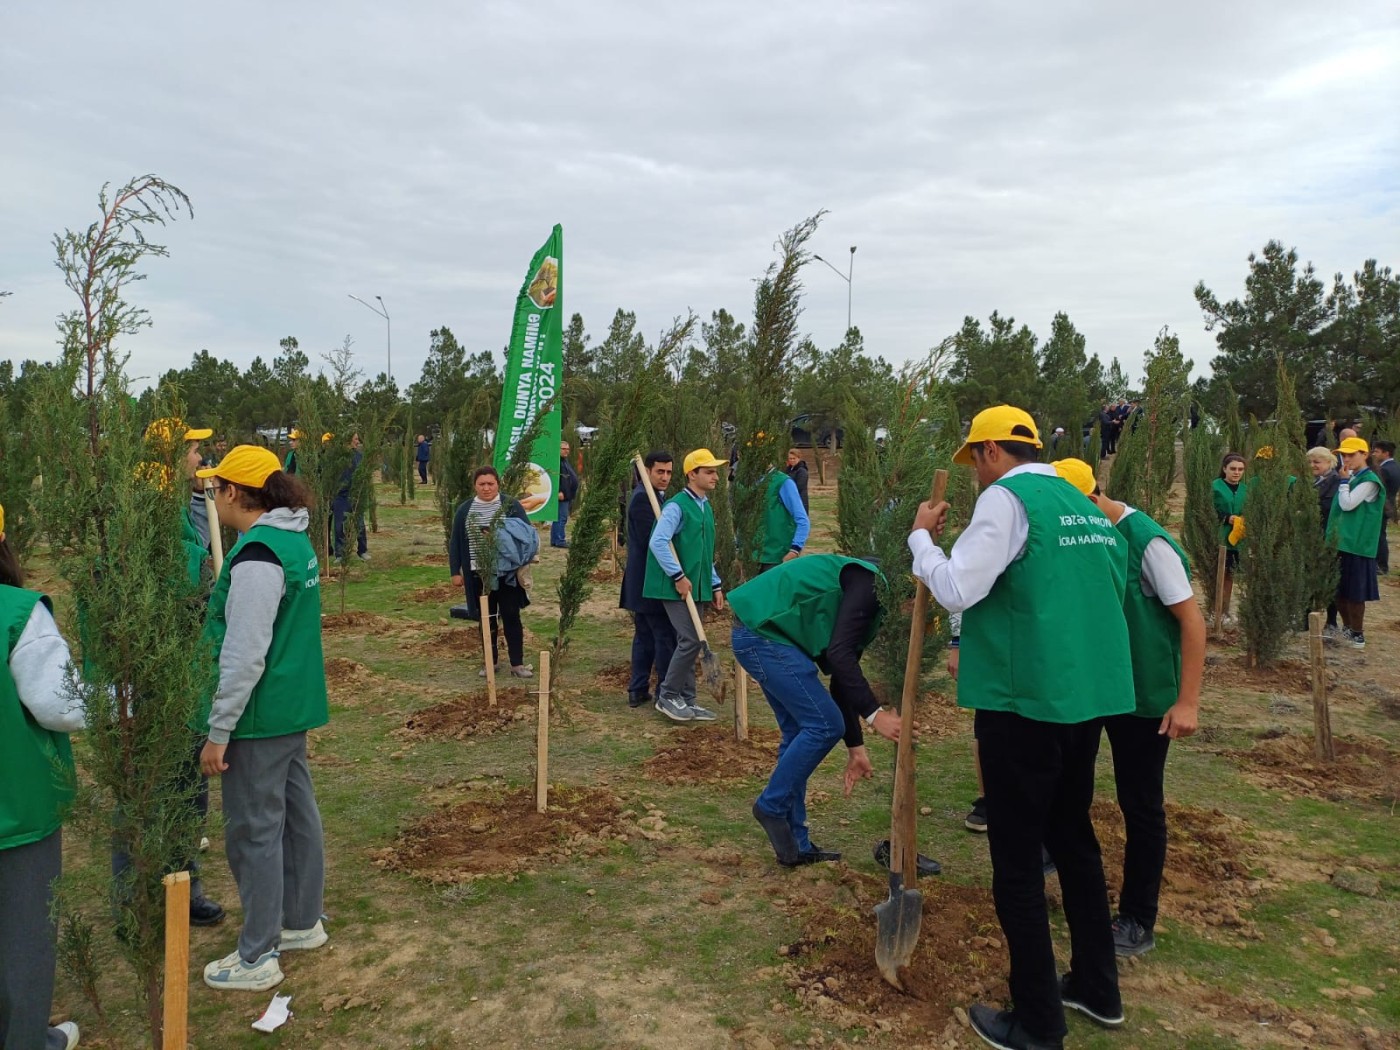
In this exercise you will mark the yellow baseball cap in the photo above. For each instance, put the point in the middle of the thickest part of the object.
(998, 423)
(157, 475)
(2, 520)
(1077, 473)
(1264, 452)
(248, 465)
(326, 437)
(702, 457)
(295, 435)
(163, 429)
(1352, 445)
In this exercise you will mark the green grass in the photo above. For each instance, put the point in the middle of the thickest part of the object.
(539, 961)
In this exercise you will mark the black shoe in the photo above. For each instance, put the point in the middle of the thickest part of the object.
(1102, 1016)
(1001, 1029)
(976, 820)
(560, 546)
(926, 866)
(1130, 937)
(638, 699)
(780, 837)
(205, 912)
(815, 855)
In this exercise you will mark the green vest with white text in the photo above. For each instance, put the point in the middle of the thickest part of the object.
(37, 780)
(1049, 642)
(291, 695)
(796, 603)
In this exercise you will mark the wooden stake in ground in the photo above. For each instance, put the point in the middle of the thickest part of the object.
(216, 536)
(542, 739)
(175, 1029)
(741, 705)
(1219, 590)
(489, 663)
(1323, 747)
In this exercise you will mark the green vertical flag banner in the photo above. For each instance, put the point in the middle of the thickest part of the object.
(534, 371)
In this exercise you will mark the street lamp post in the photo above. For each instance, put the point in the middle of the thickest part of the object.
(850, 270)
(383, 311)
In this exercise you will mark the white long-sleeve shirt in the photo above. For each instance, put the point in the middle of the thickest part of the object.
(994, 538)
(1163, 575)
(44, 676)
(1349, 498)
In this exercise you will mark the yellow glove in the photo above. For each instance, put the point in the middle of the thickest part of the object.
(1237, 532)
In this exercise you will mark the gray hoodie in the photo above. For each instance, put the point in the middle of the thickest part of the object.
(255, 589)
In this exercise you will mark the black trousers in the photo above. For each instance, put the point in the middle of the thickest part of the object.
(1383, 551)
(506, 602)
(1039, 779)
(1139, 761)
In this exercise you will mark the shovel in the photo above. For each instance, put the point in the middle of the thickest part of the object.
(898, 918)
(216, 537)
(709, 665)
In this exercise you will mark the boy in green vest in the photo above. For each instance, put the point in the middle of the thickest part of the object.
(688, 522)
(1167, 634)
(817, 612)
(264, 625)
(1038, 575)
(785, 521)
(1356, 521)
(37, 783)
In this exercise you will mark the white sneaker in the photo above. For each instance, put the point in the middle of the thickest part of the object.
(232, 973)
(70, 1033)
(297, 940)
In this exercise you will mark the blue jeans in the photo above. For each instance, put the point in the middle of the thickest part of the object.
(808, 718)
(653, 645)
(556, 528)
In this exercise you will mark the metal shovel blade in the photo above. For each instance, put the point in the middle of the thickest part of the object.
(709, 669)
(897, 929)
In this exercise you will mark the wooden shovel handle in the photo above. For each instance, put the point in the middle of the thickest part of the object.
(904, 853)
(690, 606)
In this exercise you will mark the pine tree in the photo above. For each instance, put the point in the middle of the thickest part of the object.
(111, 507)
(1200, 525)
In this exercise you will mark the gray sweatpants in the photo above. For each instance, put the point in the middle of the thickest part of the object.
(27, 944)
(272, 837)
(680, 676)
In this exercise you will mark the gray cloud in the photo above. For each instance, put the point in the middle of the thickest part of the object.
(1091, 157)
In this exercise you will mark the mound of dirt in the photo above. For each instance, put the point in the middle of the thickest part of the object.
(503, 834)
(469, 715)
(356, 623)
(960, 958)
(1206, 880)
(1282, 676)
(711, 755)
(434, 559)
(340, 671)
(438, 594)
(604, 574)
(938, 717)
(614, 676)
(1365, 769)
(446, 642)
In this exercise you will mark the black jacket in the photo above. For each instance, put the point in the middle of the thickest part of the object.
(640, 521)
(568, 480)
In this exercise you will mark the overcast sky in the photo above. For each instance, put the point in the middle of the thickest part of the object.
(1028, 157)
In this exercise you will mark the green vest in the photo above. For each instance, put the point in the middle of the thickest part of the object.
(289, 464)
(37, 780)
(795, 603)
(195, 552)
(1358, 531)
(1049, 642)
(291, 695)
(1227, 502)
(779, 526)
(695, 550)
(1154, 633)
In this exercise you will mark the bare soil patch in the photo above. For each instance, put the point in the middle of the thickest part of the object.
(605, 574)
(614, 676)
(349, 683)
(960, 958)
(1365, 768)
(437, 594)
(470, 714)
(503, 834)
(1282, 676)
(356, 623)
(465, 640)
(1206, 880)
(434, 559)
(711, 755)
(938, 717)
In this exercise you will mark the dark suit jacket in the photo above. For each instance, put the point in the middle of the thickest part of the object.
(568, 480)
(799, 478)
(640, 521)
